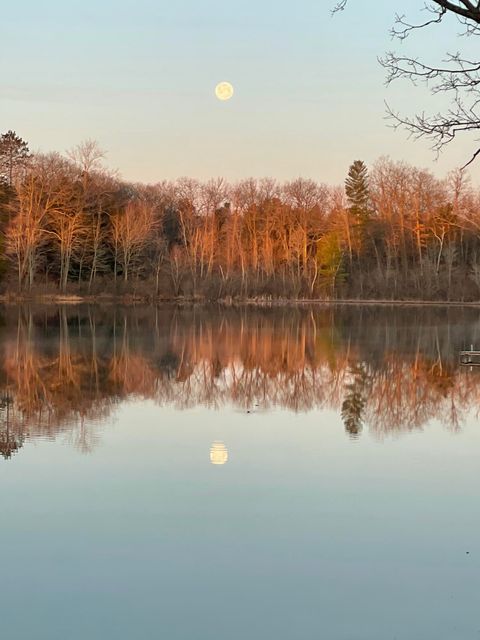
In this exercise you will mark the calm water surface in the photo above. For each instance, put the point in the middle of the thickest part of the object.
(204, 473)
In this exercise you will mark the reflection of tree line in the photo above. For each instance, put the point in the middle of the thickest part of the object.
(394, 370)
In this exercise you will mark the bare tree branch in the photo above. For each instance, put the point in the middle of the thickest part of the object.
(456, 76)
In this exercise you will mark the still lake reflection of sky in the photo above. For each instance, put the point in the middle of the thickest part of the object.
(153, 520)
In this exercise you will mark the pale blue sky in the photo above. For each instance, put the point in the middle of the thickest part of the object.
(139, 78)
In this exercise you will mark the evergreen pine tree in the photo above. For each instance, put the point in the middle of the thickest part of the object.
(358, 196)
(13, 154)
(357, 190)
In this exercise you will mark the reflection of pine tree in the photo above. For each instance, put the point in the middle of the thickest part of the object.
(10, 441)
(355, 399)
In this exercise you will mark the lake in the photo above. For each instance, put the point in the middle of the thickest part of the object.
(205, 472)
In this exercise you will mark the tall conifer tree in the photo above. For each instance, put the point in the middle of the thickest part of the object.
(357, 190)
(14, 153)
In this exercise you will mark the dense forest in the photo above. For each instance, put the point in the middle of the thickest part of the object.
(392, 231)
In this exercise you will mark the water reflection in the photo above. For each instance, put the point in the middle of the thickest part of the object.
(10, 441)
(218, 453)
(391, 370)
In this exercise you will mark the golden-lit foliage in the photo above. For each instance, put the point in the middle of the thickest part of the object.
(395, 232)
(64, 370)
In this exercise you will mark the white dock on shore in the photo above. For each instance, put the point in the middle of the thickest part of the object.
(470, 357)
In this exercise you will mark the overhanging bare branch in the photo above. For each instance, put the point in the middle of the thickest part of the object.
(456, 76)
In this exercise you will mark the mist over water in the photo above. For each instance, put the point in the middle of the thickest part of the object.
(216, 472)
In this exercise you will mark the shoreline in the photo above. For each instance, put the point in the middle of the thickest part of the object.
(133, 300)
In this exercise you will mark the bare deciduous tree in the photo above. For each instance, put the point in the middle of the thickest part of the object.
(131, 230)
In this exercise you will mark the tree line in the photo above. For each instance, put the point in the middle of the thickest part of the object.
(392, 231)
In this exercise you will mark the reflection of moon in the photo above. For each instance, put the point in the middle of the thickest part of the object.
(218, 453)
(224, 91)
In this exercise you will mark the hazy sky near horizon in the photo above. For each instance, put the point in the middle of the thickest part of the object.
(139, 77)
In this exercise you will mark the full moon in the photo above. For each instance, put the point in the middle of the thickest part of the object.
(224, 91)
